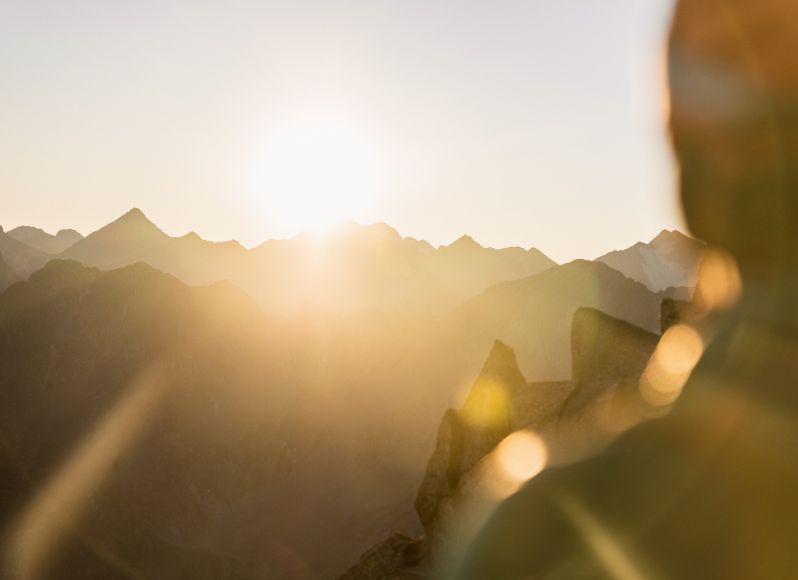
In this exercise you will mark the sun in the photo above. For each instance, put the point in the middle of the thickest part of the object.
(315, 173)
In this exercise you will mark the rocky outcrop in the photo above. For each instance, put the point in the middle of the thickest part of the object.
(535, 314)
(606, 348)
(365, 267)
(397, 558)
(571, 417)
(465, 436)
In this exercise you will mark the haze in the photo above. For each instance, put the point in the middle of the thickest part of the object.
(519, 123)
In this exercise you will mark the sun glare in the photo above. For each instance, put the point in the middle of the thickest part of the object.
(313, 174)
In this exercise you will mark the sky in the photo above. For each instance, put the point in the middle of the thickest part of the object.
(518, 122)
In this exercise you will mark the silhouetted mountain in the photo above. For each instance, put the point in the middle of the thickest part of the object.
(373, 269)
(20, 257)
(605, 348)
(197, 261)
(44, 242)
(215, 449)
(469, 265)
(7, 275)
(120, 243)
(155, 381)
(354, 269)
(670, 260)
(534, 314)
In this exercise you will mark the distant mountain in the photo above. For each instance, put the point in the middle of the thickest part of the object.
(224, 441)
(20, 257)
(197, 261)
(373, 269)
(44, 242)
(534, 314)
(355, 269)
(670, 260)
(469, 265)
(7, 275)
(120, 243)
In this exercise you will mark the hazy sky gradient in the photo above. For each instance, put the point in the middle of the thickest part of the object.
(518, 122)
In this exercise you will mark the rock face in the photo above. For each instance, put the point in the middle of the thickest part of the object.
(465, 436)
(572, 417)
(670, 260)
(397, 558)
(605, 348)
(48, 243)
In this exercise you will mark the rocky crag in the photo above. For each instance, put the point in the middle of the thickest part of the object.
(573, 418)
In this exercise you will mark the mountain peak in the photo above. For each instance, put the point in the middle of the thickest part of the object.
(124, 241)
(68, 233)
(465, 242)
(134, 214)
(667, 236)
(489, 402)
(136, 219)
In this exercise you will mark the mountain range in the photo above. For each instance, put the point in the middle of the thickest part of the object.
(360, 268)
(301, 383)
(48, 243)
(670, 260)
(21, 258)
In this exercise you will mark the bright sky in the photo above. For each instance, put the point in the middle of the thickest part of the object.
(519, 122)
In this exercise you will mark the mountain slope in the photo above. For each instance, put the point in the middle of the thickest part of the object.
(197, 261)
(160, 384)
(534, 314)
(7, 275)
(44, 242)
(20, 257)
(120, 243)
(670, 260)
(240, 437)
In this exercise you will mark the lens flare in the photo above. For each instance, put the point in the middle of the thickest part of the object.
(487, 405)
(677, 354)
(719, 284)
(522, 456)
(54, 509)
